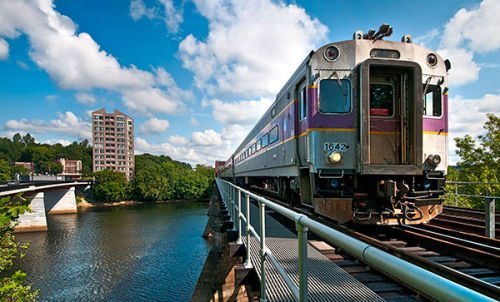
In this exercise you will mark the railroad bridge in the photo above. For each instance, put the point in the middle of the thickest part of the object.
(47, 198)
(289, 267)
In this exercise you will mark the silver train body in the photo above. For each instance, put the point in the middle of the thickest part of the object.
(359, 133)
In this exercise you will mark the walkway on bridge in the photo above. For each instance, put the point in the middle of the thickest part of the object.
(293, 270)
(326, 280)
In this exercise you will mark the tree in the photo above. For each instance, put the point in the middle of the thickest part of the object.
(4, 170)
(479, 162)
(12, 288)
(28, 139)
(17, 138)
(110, 186)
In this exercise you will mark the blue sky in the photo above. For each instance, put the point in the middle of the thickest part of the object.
(196, 75)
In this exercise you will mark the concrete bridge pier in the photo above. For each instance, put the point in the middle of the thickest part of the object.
(61, 201)
(36, 220)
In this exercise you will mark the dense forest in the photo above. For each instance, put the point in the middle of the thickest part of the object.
(157, 177)
(25, 149)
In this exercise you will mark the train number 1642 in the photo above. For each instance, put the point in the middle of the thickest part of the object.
(341, 147)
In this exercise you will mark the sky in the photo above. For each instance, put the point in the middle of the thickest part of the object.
(196, 75)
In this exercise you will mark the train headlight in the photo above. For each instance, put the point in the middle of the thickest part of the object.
(334, 157)
(432, 60)
(434, 160)
(332, 53)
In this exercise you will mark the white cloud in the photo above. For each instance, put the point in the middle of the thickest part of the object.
(66, 123)
(85, 98)
(234, 134)
(238, 117)
(241, 112)
(75, 61)
(208, 137)
(476, 28)
(252, 46)
(138, 10)
(469, 32)
(467, 116)
(179, 148)
(154, 125)
(171, 16)
(178, 140)
(152, 100)
(4, 49)
(463, 67)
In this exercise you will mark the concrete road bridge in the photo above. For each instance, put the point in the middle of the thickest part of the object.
(47, 198)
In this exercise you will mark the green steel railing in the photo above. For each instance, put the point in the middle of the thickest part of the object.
(463, 189)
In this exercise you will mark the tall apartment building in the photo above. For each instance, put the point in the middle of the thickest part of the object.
(113, 142)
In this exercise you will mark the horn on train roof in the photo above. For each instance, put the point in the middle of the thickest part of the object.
(385, 30)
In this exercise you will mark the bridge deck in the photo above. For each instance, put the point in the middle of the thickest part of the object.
(326, 280)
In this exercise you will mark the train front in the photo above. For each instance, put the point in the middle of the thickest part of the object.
(378, 130)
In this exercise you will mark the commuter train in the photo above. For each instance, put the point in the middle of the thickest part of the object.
(358, 133)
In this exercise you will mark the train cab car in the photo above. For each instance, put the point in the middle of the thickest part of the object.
(358, 133)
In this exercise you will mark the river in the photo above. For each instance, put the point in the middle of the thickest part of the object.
(135, 253)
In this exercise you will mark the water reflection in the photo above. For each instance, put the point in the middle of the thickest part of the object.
(145, 253)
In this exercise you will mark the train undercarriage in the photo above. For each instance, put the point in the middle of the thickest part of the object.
(382, 200)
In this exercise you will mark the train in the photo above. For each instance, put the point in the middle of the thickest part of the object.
(359, 133)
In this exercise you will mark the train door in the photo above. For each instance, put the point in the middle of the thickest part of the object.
(390, 117)
(301, 119)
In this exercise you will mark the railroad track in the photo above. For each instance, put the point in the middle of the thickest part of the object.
(472, 264)
(468, 259)
(464, 220)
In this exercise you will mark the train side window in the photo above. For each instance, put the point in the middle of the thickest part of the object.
(273, 135)
(433, 101)
(265, 140)
(303, 100)
(381, 99)
(259, 144)
(335, 96)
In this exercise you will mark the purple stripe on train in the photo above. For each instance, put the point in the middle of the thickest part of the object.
(438, 124)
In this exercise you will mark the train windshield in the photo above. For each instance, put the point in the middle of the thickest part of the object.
(335, 96)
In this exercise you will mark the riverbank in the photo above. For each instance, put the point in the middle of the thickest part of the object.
(84, 204)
